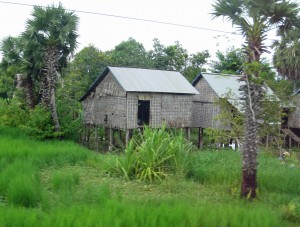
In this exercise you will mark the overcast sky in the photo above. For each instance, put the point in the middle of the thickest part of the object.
(106, 32)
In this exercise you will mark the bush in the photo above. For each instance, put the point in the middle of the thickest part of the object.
(40, 125)
(12, 114)
(152, 155)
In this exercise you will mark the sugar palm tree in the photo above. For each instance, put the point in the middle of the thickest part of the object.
(53, 30)
(254, 19)
(286, 58)
(20, 61)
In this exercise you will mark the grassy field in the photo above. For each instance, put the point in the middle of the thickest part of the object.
(59, 183)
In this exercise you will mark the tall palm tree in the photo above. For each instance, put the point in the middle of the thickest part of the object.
(254, 18)
(53, 30)
(20, 61)
(286, 58)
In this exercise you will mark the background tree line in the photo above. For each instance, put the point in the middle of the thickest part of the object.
(41, 79)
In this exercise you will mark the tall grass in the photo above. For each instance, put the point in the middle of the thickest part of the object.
(21, 159)
(167, 213)
(215, 167)
(224, 167)
(58, 183)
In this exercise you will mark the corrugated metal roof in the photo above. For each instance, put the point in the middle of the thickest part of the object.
(222, 84)
(151, 80)
(228, 84)
(146, 80)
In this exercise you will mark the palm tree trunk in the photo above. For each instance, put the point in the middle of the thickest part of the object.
(253, 93)
(29, 90)
(27, 86)
(249, 157)
(48, 84)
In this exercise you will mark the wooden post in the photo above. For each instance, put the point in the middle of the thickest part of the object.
(111, 139)
(188, 133)
(84, 135)
(127, 137)
(88, 135)
(96, 137)
(200, 138)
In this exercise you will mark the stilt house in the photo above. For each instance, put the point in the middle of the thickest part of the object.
(127, 98)
(291, 125)
(212, 87)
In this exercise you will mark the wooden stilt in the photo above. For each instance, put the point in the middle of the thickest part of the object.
(111, 139)
(84, 135)
(200, 138)
(96, 138)
(88, 135)
(188, 133)
(290, 142)
(127, 137)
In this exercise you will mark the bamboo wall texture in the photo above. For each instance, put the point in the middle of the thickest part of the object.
(204, 108)
(294, 116)
(172, 109)
(111, 106)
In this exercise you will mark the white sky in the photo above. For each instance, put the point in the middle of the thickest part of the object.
(106, 32)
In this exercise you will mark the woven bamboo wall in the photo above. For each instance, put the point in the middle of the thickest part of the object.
(88, 109)
(107, 105)
(111, 106)
(204, 108)
(172, 109)
(294, 117)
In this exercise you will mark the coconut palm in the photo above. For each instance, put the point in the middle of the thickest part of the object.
(254, 19)
(53, 30)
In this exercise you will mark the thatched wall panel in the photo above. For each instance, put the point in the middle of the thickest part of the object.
(172, 109)
(294, 116)
(176, 110)
(207, 94)
(110, 111)
(88, 110)
(203, 115)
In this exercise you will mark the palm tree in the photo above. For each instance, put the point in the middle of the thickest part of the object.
(254, 18)
(53, 30)
(286, 58)
(20, 61)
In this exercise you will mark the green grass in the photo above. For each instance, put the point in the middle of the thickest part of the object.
(59, 183)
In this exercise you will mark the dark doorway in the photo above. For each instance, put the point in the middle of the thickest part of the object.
(143, 112)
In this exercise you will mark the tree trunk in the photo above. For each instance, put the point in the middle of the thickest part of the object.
(29, 90)
(27, 86)
(48, 84)
(253, 93)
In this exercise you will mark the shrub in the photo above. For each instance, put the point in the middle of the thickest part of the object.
(12, 114)
(40, 124)
(152, 155)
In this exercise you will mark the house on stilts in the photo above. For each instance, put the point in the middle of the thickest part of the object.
(291, 125)
(123, 98)
(213, 87)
